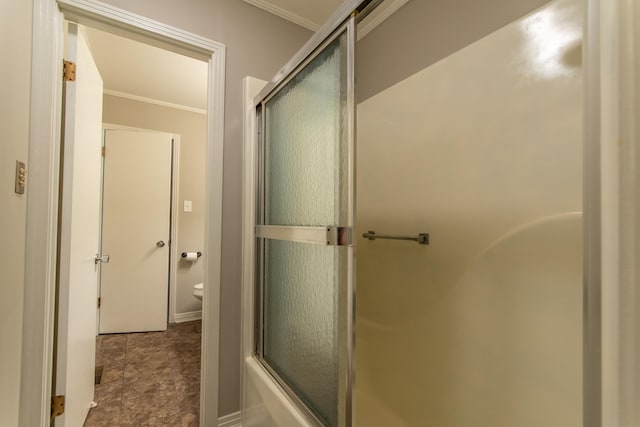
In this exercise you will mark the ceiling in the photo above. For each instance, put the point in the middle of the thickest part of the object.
(140, 71)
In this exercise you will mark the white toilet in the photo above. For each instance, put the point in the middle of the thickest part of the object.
(198, 290)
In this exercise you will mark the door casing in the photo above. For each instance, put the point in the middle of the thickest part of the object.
(42, 197)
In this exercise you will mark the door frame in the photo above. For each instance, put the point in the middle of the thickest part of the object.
(42, 198)
(612, 181)
(173, 222)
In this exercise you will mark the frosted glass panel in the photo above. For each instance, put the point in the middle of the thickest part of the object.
(304, 129)
(307, 179)
(301, 322)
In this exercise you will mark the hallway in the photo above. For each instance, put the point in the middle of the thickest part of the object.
(148, 379)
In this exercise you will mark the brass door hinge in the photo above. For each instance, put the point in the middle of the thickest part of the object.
(57, 406)
(69, 71)
(104, 150)
(99, 301)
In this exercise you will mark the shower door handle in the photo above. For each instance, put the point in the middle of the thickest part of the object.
(328, 236)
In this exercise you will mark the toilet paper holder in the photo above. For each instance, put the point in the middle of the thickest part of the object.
(184, 254)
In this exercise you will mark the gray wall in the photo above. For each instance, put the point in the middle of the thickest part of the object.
(15, 31)
(192, 128)
(423, 32)
(258, 44)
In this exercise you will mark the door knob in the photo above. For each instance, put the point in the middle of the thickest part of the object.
(160, 243)
(103, 258)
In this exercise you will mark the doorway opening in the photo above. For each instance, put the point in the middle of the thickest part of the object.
(38, 365)
(141, 284)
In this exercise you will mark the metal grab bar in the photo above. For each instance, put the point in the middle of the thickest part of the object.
(422, 238)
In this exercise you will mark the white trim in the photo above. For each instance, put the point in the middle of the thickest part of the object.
(42, 197)
(251, 88)
(619, 120)
(285, 14)
(97, 14)
(213, 238)
(112, 126)
(188, 316)
(42, 215)
(230, 420)
(154, 101)
(378, 16)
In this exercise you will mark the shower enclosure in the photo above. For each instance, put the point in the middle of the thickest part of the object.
(466, 227)
(482, 150)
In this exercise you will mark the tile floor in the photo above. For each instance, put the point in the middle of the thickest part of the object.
(149, 379)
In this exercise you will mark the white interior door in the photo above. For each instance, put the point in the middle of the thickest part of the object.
(134, 285)
(79, 234)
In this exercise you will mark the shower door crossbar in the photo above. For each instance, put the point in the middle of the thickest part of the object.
(329, 236)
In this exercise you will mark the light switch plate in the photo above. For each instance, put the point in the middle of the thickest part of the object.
(188, 207)
(21, 176)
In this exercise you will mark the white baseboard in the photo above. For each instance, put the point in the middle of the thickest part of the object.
(188, 317)
(230, 420)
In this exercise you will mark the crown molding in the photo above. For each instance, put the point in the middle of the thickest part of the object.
(285, 14)
(153, 101)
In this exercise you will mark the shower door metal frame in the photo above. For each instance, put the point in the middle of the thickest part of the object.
(327, 236)
(342, 21)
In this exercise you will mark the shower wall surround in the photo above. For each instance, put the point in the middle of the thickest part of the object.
(483, 150)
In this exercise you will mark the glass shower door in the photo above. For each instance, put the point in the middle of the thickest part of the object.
(304, 304)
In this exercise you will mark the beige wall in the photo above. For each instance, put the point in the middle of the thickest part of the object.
(483, 150)
(15, 25)
(258, 44)
(423, 32)
(192, 128)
